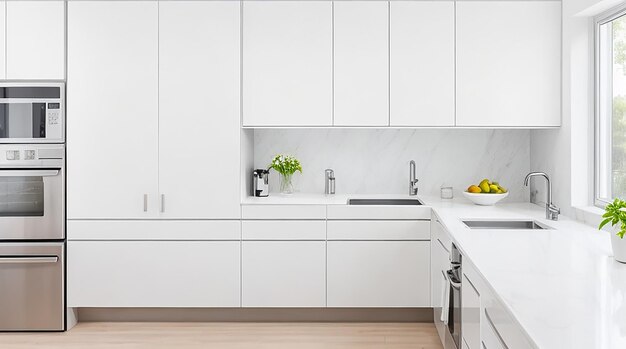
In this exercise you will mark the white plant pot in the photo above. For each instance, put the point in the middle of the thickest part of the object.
(619, 247)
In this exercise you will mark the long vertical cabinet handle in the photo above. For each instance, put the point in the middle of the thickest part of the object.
(145, 202)
(162, 203)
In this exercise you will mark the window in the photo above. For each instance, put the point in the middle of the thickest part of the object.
(611, 107)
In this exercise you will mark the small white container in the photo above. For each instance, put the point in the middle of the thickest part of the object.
(619, 247)
(485, 199)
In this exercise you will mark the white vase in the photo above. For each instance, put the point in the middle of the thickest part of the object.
(619, 247)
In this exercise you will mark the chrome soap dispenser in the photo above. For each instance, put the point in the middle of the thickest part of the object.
(261, 182)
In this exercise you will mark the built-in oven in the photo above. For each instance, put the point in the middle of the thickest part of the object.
(32, 112)
(453, 303)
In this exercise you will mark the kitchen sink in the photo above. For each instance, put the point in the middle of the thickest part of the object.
(505, 224)
(385, 202)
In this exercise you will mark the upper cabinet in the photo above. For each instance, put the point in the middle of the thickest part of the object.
(199, 109)
(112, 109)
(422, 63)
(35, 40)
(287, 63)
(508, 61)
(361, 59)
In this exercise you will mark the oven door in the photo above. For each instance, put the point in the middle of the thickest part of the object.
(454, 313)
(31, 204)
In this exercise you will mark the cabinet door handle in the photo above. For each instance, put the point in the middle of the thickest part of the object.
(24, 260)
(162, 203)
(145, 202)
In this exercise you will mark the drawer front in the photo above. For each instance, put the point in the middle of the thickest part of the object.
(378, 230)
(283, 230)
(153, 274)
(379, 274)
(284, 274)
(379, 212)
(272, 212)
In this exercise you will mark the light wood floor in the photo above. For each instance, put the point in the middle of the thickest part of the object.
(231, 336)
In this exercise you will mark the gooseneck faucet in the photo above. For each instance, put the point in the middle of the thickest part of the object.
(552, 212)
(412, 179)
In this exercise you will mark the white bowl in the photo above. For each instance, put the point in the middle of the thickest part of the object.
(485, 199)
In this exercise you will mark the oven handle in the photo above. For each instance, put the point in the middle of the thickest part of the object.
(29, 260)
(454, 282)
(28, 173)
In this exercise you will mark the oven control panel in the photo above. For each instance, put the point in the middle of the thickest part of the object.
(15, 155)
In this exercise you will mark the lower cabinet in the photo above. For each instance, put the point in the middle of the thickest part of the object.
(378, 274)
(153, 274)
(440, 263)
(470, 314)
(283, 274)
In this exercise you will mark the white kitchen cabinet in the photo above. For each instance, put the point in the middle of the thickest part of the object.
(112, 109)
(3, 9)
(440, 263)
(361, 63)
(199, 118)
(35, 40)
(508, 63)
(283, 274)
(378, 274)
(422, 63)
(287, 63)
(153, 274)
(470, 314)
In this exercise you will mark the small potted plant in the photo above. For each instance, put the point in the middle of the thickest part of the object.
(286, 165)
(615, 213)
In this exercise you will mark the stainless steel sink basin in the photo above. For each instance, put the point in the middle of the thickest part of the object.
(385, 202)
(505, 224)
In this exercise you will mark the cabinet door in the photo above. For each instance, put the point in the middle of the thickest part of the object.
(3, 8)
(470, 315)
(422, 63)
(283, 274)
(287, 63)
(378, 274)
(440, 263)
(112, 100)
(35, 40)
(199, 117)
(508, 63)
(153, 274)
(361, 63)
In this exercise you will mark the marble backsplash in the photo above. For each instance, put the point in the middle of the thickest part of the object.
(376, 161)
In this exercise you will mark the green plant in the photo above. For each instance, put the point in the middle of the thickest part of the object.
(286, 165)
(615, 212)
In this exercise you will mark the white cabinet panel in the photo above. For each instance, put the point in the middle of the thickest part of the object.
(440, 263)
(273, 212)
(153, 274)
(199, 115)
(470, 315)
(3, 8)
(422, 63)
(112, 100)
(378, 274)
(378, 212)
(283, 274)
(378, 230)
(508, 63)
(35, 40)
(361, 63)
(283, 230)
(287, 63)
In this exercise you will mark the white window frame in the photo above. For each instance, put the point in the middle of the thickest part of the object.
(600, 20)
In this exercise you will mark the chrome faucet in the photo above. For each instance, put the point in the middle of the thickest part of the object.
(552, 212)
(412, 179)
(329, 182)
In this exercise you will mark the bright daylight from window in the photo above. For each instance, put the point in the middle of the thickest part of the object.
(611, 123)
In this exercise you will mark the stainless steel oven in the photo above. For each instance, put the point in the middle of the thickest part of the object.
(32, 237)
(32, 112)
(453, 328)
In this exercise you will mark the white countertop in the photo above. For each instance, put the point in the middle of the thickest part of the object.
(562, 285)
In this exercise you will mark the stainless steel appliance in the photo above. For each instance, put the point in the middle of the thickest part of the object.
(260, 179)
(32, 112)
(454, 275)
(329, 182)
(32, 208)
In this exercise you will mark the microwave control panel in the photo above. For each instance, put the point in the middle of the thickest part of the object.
(54, 127)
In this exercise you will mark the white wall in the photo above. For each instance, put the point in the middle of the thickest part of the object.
(375, 161)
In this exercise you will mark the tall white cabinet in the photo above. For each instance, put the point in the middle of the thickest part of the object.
(112, 109)
(361, 63)
(508, 61)
(422, 63)
(287, 63)
(153, 110)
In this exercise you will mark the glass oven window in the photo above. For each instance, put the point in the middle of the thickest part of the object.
(21, 196)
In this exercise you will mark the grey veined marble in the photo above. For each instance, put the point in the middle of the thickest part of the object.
(375, 161)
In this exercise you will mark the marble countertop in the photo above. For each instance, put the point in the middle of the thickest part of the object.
(562, 285)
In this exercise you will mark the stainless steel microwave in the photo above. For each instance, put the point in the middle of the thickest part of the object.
(32, 112)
